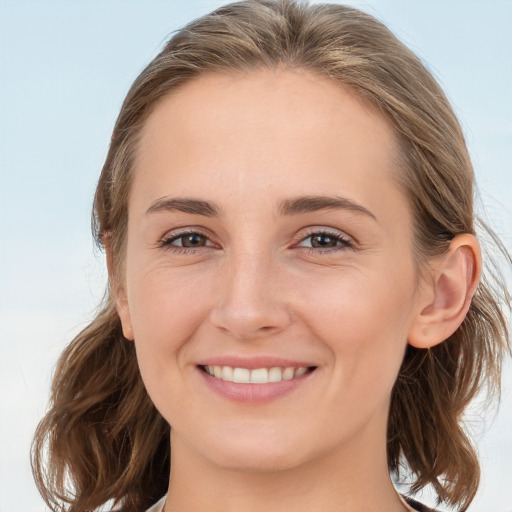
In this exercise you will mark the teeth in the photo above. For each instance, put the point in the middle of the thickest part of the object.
(288, 374)
(259, 376)
(256, 376)
(227, 373)
(275, 375)
(242, 375)
(300, 371)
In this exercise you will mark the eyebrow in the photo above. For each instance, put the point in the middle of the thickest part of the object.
(306, 204)
(185, 205)
(294, 206)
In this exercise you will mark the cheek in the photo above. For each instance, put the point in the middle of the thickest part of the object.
(354, 304)
(364, 320)
(167, 306)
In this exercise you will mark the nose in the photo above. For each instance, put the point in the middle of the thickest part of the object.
(251, 303)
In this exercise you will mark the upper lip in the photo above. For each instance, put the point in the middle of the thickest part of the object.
(252, 363)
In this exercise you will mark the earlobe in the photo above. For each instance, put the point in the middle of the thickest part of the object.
(123, 311)
(445, 300)
(119, 295)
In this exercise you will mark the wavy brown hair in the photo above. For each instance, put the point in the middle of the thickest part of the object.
(102, 440)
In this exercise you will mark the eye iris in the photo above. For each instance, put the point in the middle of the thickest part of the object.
(323, 241)
(193, 240)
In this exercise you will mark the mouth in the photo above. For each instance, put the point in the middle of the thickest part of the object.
(241, 375)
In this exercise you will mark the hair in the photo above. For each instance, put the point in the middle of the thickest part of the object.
(102, 438)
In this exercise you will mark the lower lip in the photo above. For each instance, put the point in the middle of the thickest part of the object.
(253, 393)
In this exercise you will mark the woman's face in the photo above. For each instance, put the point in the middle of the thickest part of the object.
(266, 232)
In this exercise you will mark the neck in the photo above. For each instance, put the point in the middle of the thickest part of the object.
(343, 480)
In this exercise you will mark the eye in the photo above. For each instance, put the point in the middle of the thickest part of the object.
(325, 240)
(189, 240)
(186, 240)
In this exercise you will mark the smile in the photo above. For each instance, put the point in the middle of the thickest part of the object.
(257, 375)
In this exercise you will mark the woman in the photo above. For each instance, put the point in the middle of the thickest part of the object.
(295, 281)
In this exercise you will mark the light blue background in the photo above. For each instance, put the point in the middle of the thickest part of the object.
(65, 67)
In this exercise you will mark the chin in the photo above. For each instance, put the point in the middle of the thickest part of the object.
(255, 461)
(258, 454)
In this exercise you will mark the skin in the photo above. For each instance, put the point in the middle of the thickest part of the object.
(257, 284)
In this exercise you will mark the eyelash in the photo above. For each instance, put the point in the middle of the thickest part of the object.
(343, 242)
(166, 242)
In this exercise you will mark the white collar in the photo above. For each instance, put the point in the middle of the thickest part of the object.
(158, 507)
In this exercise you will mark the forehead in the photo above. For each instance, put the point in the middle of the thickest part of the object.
(264, 132)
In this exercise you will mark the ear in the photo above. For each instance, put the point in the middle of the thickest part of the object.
(446, 293)
(119, 294)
